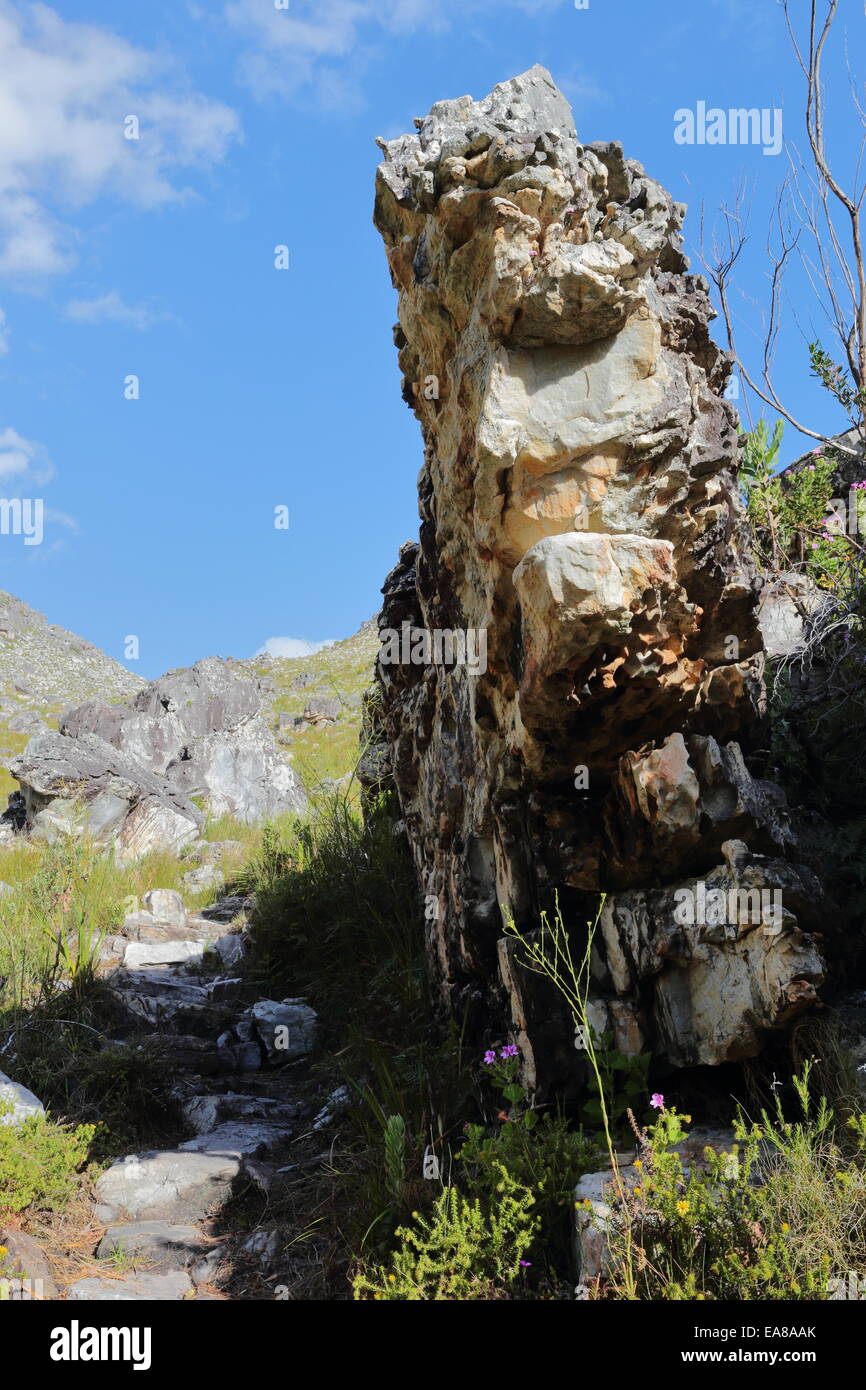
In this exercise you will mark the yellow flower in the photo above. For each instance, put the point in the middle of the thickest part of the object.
(682, 1208)
(638, 1191)
(687, 1119)
(785, 1226)
(637, 1163)
(392, 1278)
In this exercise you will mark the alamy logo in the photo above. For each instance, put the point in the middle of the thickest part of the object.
(850, 518)
(418, 646)
(736, 126)
(77, 1343)
(727, 907)
(21, 1290)
(851, 1286)
(22, 516)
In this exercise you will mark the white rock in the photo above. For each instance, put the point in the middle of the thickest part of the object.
(138, 1288)
(164, 1186)
(23, 1102)
(286, 1030)
(165, 905)
(139, 953)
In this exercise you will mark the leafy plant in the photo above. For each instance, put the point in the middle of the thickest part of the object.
(395, 1155)
(39, 1161)
(460, 1251)
(622, 1077)
(778, 1216)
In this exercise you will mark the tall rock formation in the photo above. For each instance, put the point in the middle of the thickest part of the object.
(570, 661)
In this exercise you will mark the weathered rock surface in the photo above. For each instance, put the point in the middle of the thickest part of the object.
(23, 1102)
(286, 1030)
(163, 1246)
(165, 1186)
(131, 1289)
(581, 523)
(26, 1268)
(129, 774)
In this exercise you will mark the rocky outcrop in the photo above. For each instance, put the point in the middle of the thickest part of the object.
(137, 775)
(585, 727)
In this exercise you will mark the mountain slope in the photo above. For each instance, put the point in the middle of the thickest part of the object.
(44, 670)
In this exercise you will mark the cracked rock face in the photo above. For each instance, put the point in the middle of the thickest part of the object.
(580, 517)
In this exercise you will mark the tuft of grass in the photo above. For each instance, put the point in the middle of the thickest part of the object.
(337, 915)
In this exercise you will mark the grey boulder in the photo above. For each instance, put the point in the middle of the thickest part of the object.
(165, 1186)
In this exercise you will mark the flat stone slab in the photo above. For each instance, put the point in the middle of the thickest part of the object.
(206, 1113)
(159, 982)
(238, 1140)
(140, 954)
(164, 1245)
(131, 1289)
(159, 1185)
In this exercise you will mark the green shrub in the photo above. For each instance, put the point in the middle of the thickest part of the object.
(777, 1217)
(39, 1161)
(460, 1252)
(338, 917)
(540, 1151)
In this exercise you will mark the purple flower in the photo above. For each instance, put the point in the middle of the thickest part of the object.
(509, 1051)
(525, 1264)
(489, 1057)
(656, 1101)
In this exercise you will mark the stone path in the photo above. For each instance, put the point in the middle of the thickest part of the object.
(170, 970)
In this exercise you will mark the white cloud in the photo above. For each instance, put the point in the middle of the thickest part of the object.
(322, 45)
(23, 463)
(66, 89)
(111, 308)
(292, 646)
(4, 334)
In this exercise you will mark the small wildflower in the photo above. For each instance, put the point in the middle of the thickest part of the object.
(392, 1278)
(682, 1208)
(657, 1101)
(638, 1191)
(489, 1057)
(638, 1163)
(509, 1051)
(785, 1226)
(525, 1264)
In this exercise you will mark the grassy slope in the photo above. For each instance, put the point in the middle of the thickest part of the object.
(342, 671)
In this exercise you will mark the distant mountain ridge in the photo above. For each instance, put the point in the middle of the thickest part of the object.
(46, 670)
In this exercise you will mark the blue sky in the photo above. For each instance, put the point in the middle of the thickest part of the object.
(262, 388)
